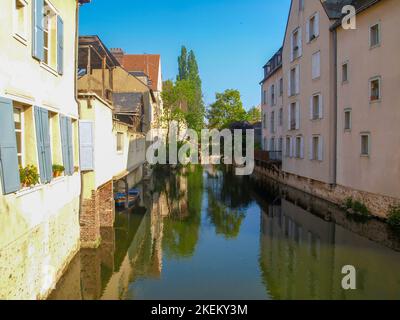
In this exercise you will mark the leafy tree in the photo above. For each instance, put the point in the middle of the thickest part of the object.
(182, 65)
(254, 115)
(227, 108)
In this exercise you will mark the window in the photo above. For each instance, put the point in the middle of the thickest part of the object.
(316, 65)
(345, 72)
(315, 148)
(272, 121)
(272, 144)
(316, 107)
(120, 142)
(365, 144)
(20, 19)
(265, 121)
(280, 87)
(280, 144)
(288, 146)
(19, 133)
(313, 27)
(299, 142)
(347, 119)
(293, 82)
(295, 44)
(375, 88)
(301, 5)
(293, 111)
(264, 97)
(47, 35)
(273, 95)
(375, 35)
(281, 116)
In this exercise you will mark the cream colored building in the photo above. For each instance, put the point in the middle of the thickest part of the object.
(272, 107)
(369, 100)
(308, 70)
(110, 150)
(340, 102)
(39, 218)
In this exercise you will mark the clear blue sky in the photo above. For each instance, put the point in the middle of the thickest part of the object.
(232, 39)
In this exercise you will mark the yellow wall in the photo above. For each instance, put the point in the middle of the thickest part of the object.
(39, 226)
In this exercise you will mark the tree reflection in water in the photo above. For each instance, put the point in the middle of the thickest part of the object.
(183, 196)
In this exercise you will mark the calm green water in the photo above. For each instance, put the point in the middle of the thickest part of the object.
(207, 234)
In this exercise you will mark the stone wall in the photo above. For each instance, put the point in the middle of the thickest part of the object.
(31, 265)
(377, 204)
(97, 212)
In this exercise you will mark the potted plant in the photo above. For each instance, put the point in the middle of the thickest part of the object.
(29, 176)
(57, 170)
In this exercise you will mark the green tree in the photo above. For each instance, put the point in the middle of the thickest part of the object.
(182, 65)
(254, 115)
(227, 108)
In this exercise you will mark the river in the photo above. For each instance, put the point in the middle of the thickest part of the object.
(203, 233)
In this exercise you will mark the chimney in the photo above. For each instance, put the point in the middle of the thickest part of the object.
(118, 53)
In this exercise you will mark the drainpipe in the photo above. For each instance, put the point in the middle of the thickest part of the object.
(335, 106)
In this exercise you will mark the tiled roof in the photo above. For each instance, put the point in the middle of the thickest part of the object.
(333, 8)
(147, 63)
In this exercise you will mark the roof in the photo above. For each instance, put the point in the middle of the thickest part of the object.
(127, 102)
(334, 8)
(147, 63)
(275, 63)
(96, 57)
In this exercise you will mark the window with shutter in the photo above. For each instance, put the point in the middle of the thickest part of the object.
(86, 139)
(9, 170)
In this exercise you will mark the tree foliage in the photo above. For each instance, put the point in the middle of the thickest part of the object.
(254, 115)
(227, 109)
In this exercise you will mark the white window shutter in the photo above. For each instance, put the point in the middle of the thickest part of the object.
(308, 31)
(316, 65)
(289, 85)
(86, 140)
(297, 115)
(302, 148)
(297, 79)
(289, 117)
(300, 43)
(321, 149)
(321, 107)
(317, 24)
(311, 150)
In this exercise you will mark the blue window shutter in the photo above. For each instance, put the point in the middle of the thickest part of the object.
(60, 45)
(70, 148)
(46, 144)
(42, 136)
(64, 143)
(86, 145)
(9, 170)
(37, 29)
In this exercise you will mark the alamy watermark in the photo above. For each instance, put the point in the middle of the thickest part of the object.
(172, 146)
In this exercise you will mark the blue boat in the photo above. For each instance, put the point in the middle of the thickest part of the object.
(133, 197)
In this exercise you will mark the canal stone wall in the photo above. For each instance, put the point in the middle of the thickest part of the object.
(378, 205)
(31, 265)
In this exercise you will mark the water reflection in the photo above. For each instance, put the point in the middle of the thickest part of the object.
(207, 234)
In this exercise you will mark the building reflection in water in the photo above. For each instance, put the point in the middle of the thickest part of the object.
(302, 254)
(299, 253)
